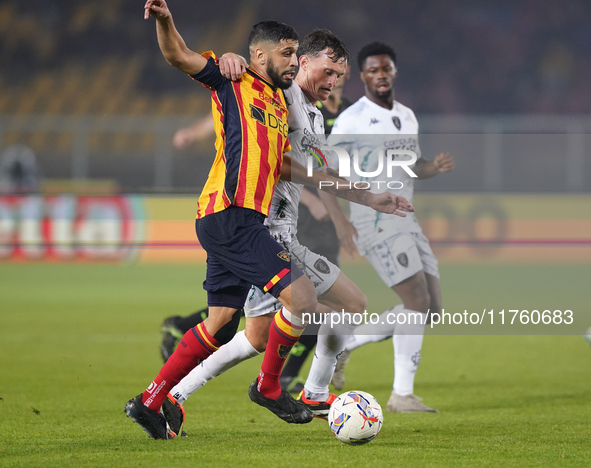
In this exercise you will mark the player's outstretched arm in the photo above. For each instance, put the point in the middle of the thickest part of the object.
(383, 202)
(443, 162)
(171, 43)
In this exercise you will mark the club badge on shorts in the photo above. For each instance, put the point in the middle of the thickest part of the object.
(402, 259)
(283, 255)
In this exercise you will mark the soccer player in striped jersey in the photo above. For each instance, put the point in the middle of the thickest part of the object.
(251, 136)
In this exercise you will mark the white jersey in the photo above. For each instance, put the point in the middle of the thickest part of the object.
(369, 128)
(306, 127)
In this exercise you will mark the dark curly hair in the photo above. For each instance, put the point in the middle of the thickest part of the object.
(272, 31)
(375, 48)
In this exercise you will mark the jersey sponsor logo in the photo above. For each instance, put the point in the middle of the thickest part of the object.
(258, 114)
(272, 101)
(283, 255)
(402, 259)
(396, 122)
(280, 125)
(409, 143)
(269, 120)
(322, 266)
(374, 121)
(312, 145)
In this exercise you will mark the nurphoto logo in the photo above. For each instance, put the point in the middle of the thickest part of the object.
(386, 158)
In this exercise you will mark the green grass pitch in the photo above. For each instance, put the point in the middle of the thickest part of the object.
(77, 341)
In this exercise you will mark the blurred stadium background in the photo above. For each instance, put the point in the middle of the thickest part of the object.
(89, 106)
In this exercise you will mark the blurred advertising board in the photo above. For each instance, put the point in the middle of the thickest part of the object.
(462, 228)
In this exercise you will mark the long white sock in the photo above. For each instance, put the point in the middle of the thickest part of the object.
(372, 333)
(237, 350)
(331, 343)
(408, 341)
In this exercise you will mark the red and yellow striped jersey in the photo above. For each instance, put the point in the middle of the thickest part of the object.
(251, 136)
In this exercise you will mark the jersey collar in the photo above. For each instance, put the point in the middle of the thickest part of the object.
(394, 105)
(259, 77)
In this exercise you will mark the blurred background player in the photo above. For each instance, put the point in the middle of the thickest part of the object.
(19, 171)
(394, 246)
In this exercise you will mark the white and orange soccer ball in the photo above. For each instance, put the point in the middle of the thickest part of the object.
(355, 417)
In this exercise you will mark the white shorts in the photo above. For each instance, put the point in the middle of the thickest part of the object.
(321, 272)
(401, 256)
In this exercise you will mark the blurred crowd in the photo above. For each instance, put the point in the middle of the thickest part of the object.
(455, 56)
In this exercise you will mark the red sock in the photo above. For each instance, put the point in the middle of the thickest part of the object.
(196, 345)
(282, 336)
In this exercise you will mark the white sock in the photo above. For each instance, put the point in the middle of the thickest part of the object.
(292, 318)
(408, 341)
(237, 350)
(370, 333)
(331, 343)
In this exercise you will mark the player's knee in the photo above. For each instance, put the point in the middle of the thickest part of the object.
(258, 343)
(304, 305)
(257, 333)
(311, 305)
(227, 332)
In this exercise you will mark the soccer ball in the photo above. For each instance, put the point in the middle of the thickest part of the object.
(355, 417)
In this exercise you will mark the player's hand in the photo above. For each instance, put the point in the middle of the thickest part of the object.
(182, 138)
(232, 66)
(157, 9)
(346, 233)
(391, 204)
(444, 162)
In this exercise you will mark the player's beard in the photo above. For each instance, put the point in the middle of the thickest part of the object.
(385, 96)
(276, 77)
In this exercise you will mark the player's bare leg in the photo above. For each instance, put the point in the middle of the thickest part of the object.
(345, 296)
